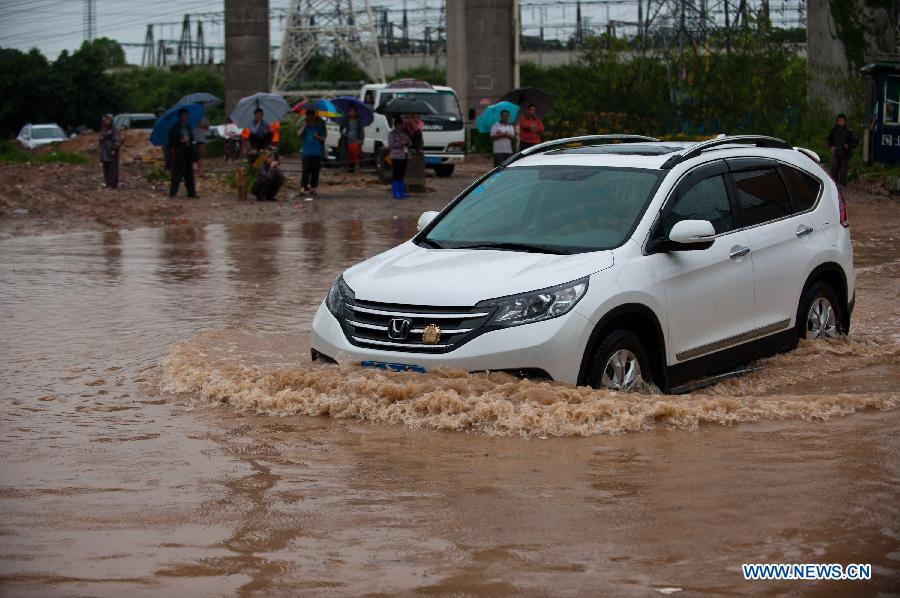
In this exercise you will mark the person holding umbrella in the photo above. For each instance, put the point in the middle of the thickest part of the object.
(260, 136)
(399, 142)
(530, 128)
(182, 155)
(312, 137)
(110, 142)
(502, 134)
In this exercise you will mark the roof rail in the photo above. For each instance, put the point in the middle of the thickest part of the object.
(696, 150)
(581, 141)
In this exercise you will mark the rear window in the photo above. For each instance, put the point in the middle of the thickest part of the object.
(762, 195)
(804, 189)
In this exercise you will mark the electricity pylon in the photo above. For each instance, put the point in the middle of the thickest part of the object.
(330, 26)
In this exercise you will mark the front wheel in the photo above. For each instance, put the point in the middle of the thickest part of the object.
(620, 363)
(444, 170)
(820, 315)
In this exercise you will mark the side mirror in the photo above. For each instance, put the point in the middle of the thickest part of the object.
(689, 232)
(425, 219)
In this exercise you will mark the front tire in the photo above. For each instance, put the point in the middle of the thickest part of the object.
(820, 314)
(620, 363)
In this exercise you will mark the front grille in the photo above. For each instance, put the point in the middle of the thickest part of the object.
(367, 324)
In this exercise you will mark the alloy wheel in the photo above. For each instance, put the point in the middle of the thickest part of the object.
(622, 371)
(821, 321)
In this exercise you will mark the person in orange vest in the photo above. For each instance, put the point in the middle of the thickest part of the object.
(276, 132)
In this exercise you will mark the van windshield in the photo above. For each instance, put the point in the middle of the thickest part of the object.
(442, 103)
(552, 209)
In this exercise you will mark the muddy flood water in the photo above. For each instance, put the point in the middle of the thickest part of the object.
(165, 433)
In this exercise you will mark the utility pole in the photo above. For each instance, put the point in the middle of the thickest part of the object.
(90, 20)
(185, 56)
(149, 57)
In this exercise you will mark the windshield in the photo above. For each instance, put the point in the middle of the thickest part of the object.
(47, 133)
(142, 122)
(443, 103)
(564, 209)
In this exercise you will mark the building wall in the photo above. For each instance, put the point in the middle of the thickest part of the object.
(246, 49)
(482, 50)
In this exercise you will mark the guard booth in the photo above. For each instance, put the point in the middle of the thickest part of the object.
(881, 139)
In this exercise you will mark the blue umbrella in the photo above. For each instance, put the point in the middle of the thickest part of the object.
(202, 97)
(273, 106)
(343, 103)
(164, 124)
(491, 115)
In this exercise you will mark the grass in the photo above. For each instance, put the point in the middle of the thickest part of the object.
(12, 153)
(158, 175)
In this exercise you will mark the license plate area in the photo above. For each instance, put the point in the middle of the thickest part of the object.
(392, 367)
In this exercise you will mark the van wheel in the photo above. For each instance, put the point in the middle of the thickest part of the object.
(620, 363)
(444, 170)
(819, 315)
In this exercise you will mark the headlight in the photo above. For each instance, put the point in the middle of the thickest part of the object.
(536, 306)
(339, 294)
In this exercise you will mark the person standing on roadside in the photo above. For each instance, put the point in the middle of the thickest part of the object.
(353, 134)
(312, 143)
(110, 142)
(502, 134)
(259, 137)
(841, 142)
(398, 143)
(182, 155)
(530, 128)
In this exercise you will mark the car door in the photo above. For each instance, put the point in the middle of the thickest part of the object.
(709, 291)
(781, 238)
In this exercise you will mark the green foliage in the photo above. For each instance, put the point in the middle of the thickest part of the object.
(289, 143)
(147, 89)
(213, 148)
(435, 76)
(158, 175)
(73, 90)
(11, 152)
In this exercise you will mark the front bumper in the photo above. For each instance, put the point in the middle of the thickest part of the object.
(446, 158)
(555, 346)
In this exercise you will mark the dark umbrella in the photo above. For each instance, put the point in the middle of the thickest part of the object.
(523, 96)
(164, 124)
(405, 105)
(207, 100)
(344, 103)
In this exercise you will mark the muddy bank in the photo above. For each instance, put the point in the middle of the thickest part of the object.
(55, 198)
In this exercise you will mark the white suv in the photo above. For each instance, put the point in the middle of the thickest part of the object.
(608, 261)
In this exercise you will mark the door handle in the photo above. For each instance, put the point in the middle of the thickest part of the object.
(738, 251)
(803, 230)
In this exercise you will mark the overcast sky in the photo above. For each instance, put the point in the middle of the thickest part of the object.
(56, 25)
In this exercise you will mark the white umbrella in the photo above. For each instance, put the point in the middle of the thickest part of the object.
(273, 106)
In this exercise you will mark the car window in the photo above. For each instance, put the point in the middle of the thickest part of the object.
(706, 200)
(48, 133)
(804, 189)
(572, 208)
(762, 195)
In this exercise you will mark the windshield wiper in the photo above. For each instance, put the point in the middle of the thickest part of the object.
(429, 243)
(517, 247)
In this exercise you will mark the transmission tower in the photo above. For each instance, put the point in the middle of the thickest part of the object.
(90, 20)
(314, 26)
(149, 57)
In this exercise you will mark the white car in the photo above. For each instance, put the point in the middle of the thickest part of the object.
(608, 264)
(32, 136)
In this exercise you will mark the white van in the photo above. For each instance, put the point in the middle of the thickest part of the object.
(444, 135)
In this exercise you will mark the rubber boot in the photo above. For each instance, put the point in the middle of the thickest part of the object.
(403, 193)
(396, 188)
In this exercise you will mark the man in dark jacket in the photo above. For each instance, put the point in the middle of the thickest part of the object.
(182, 155)
(841, 142)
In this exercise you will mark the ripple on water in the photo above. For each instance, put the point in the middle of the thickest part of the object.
(215, 370)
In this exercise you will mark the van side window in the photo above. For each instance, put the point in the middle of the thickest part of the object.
(706, 200)
(762, 195)
(804, 189)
